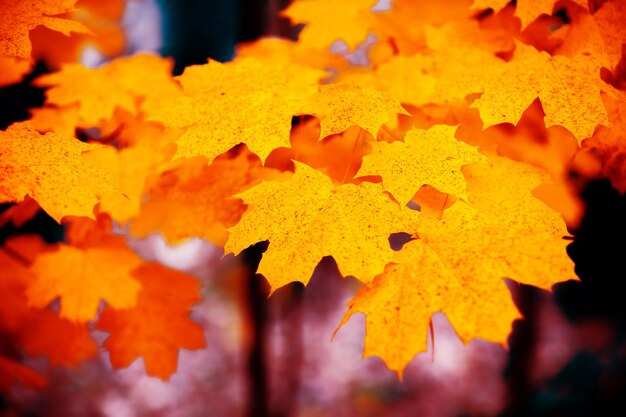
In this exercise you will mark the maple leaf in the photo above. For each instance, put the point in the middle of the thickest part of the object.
(12, 69)
(26, 16)
(307, 218)
(286, 51)
(50, 169)
(608, 145)
(408, 20)
(432, 157)
(42, 331)
(36, 331)
(123, 83)
(245, 101)
(105, 34)
(527, 10)
(530, 10)
(551, 149)
(349, 21)
(338, 156)
(339, 106)
(21, 213)
(158, 325)
(569, 88)
(195, 199)
(15, 45)
(95, 266)
(506, 234)
(129, 169)
(14, 278)
(11, 371)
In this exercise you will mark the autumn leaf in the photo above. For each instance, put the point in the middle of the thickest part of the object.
(13, 69)
(11, 371)
(49, 168)
(405, 24)
(36, 331)
(287, 51)
(340, 106)
(607, 146)
(14, 278)
(105, 34)
(129, 169)
(338, 156)
(85, 272)
(527, 10)
(530, 10)
(158, 325)
(123, 83)
(432, 157)
(569, 88)
(26, 16)
(349, 21)
(247, 101)
(307, 218)
(459, 263)
(21, 213)
(15, 46)
(44, 329)
(195, 199)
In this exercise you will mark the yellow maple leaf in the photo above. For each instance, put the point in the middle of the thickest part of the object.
(50, 169)
(307, 218)
(129, 169)
(432, 157)
(328, 21)
(248, 100)
(569, 88)
(339, 106)
(122, 83)
(459, 263)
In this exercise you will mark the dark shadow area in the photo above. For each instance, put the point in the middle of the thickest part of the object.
(42, 224)
(17, 99)
(593, 380)
(196, 30)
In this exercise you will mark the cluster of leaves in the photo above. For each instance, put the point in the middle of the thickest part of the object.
(461, 131)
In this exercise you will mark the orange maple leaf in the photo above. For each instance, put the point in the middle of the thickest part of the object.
(11, 371)
(37, 331)
(50, 169)
(105, 33)
(19, 19)
(195, 199)
(158, 326)
(94, 266)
